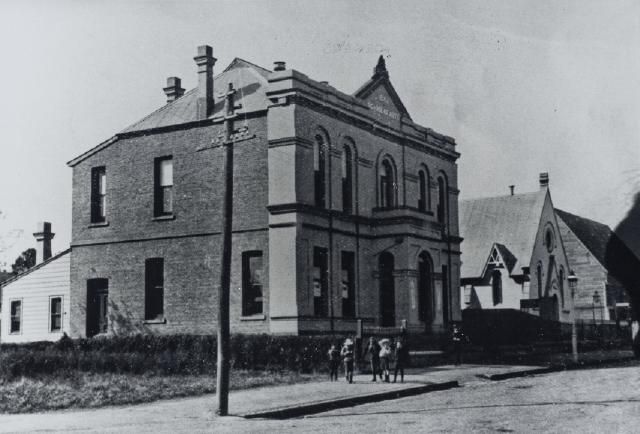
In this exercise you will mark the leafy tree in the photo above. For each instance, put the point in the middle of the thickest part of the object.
(26, 260)
(4, 275)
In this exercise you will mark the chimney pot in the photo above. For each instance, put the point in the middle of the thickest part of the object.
(544, 180)
(279, 65)
(205, 62)
(43, 236)
(174, 89)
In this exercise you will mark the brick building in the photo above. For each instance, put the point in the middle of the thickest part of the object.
(343, 209)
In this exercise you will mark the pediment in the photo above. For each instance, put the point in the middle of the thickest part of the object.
(380, 96)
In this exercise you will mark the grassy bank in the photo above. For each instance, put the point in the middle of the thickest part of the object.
(87, 390)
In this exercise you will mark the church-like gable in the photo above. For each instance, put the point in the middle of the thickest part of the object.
(381, 97)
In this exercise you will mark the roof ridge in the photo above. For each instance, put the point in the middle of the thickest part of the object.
(235, 59)
(503, 196)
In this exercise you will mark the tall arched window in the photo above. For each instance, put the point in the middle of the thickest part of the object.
(422, 191)
(425, 288)
(539, 279)
(496, 286)
(319, 163)
(347, 180)
(442, 200)
(387, 185)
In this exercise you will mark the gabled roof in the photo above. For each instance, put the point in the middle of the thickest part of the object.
(510, 221)
(594, 235)
(381, 78)
(35, 267)
(248, 79)
(508, 258)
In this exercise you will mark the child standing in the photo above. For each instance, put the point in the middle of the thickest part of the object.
(385, 356)
(373, 351)
(334, 361)
(347, 355)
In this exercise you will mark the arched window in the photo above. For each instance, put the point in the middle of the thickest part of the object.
(423, 191)
(347, 180)
(387, 290)
(425, 288)
(387, 185)
(442, 200)
(319, 164)
(539, 279)
(496, 286)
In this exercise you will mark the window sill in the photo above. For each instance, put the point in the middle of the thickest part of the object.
(155, 321)
(161, 218)
(258, 317)
(98, 224)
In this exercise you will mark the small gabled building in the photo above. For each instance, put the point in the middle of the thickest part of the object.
(600, 295)
(35, 303)
(513, 256)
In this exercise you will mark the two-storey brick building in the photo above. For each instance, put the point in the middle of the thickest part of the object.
(343, 209)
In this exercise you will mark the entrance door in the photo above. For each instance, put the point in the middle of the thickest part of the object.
(387, 290)
(97, 306)
(425, 294)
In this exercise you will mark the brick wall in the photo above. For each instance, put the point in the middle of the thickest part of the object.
(189, 243)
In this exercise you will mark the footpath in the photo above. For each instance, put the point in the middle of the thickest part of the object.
(196, 414)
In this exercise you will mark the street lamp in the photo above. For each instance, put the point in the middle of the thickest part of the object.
(573, 285)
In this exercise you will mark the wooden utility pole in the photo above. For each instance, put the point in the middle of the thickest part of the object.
(222, 385)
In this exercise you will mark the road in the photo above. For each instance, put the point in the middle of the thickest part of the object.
(590, 400)
(593, 400)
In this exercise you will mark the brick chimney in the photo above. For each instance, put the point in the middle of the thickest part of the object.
(205, 62)
(174, 89)
(43, 237)
(544, 180)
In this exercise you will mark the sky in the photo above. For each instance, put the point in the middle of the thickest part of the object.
(524, 86)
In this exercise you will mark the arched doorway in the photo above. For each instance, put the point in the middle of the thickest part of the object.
(425, 289)
(387, 290)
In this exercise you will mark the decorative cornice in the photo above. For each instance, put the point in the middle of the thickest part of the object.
(291, 141)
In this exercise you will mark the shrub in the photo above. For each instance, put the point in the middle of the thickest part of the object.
(165, 355)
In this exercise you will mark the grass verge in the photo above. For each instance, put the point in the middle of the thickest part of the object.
(87, 390)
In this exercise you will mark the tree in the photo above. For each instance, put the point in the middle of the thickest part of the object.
(26, 260)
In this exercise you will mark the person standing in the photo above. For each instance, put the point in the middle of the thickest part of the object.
(402, 354)
(347, 356)
(334, 362)
(385, 356)
(457, 337)
(373, 351)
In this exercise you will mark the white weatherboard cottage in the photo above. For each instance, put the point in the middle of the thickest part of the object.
(35, 303)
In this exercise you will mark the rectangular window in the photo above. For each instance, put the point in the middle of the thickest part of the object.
(98, 194)
(55, 314)
(252, 272)
(320, 270)
(163, 186)
(16, 316)
(348, 284)
(154, 289)
(467, 294)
